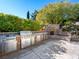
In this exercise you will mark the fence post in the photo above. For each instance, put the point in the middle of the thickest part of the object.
(18, 39)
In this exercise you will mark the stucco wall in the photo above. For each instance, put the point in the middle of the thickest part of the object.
(8, 44)
(27, 38)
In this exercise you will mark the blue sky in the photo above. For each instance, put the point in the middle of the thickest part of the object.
(20, 7)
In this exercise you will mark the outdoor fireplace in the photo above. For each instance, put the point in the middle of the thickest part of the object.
(51, 32)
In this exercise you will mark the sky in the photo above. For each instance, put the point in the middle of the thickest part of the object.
(20, 7)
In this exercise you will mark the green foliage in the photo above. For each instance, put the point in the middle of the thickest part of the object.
(33, 16)
(31, 25)
(10, 23)
(56, 13)
(28, 15)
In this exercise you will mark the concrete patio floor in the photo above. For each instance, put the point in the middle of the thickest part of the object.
(43, 50)
(34, 52)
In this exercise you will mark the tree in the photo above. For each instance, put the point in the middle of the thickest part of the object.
(56, 13)
(9, 23)
(33, 16)
(28, 15)
(61, 1)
